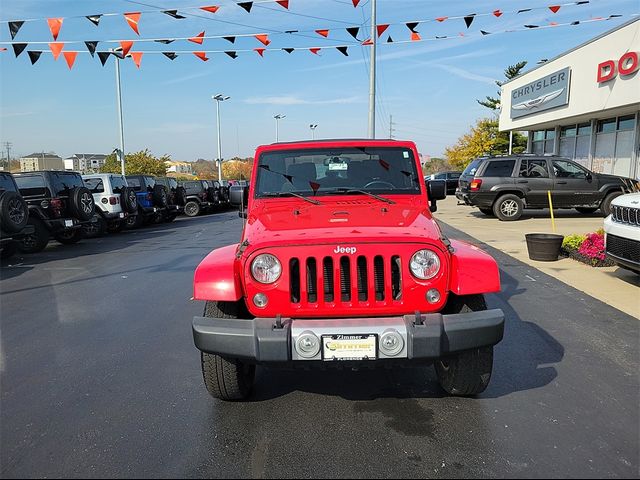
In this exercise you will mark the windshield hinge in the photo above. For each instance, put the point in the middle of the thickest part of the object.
(242, 248)
(447, 243)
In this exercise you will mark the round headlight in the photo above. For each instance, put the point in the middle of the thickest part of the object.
(266, 268)
(425, 264)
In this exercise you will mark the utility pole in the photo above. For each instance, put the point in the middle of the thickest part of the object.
(219, 98)
(391, 129)
(372, 74)
(120, 118)
(8, 146)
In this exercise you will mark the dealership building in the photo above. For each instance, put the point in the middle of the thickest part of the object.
(583, 104)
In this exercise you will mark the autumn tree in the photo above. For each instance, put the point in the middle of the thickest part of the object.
(138, 163)
(478, 142)
(237, 169)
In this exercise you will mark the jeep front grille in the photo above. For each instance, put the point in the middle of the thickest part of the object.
(623, 248)
(628, 215)
(345, 279)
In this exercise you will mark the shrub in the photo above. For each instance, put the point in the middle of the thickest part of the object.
(573, 242)
(593, 247)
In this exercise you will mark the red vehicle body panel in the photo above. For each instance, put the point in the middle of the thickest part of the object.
(217, 277)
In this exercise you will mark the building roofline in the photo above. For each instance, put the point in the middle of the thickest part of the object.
(594, 39)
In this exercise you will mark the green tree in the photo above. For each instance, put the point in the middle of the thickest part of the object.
(510, 72)
(435, 165)
(138, 163)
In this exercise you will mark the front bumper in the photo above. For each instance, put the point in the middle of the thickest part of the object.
(261, 340)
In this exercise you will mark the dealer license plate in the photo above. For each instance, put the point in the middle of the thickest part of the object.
(349, 347)
(68, 223)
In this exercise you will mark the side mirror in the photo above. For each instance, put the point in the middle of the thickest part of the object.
(436, 190)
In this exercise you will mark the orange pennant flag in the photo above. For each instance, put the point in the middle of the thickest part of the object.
(56, 48)
(2, 49)
(554, 8)
(283, 3)
(201, 55)
(497, 13)
(441, 19)
(415, 36)
(314, 50)
(211, 8)
(324, 33)
(260, 51)
(126, 46)
(70, 57)
(55, 24)
(137, 58)
(368, 41)
(198, 38)
(132, 19)
(381, 29)
(264, 39)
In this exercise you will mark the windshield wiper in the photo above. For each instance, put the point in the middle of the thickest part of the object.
(364, 192)
(291, 194)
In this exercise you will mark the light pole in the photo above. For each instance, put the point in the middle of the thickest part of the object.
(313, 131)
(219, 98)
(372, 73)
(120, 118)
(278, 118)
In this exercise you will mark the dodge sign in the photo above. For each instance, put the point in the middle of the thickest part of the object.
(548, 92)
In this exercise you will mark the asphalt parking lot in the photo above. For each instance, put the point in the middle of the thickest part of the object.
(100, 378)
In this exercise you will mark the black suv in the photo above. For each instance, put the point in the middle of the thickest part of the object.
(176, 200)
(152, 197)
(14, 216)
(59, 205)
(201, 197)
(450, 177)
(504, 186)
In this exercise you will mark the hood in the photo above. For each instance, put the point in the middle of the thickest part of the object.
(343, 220)
(629, 200)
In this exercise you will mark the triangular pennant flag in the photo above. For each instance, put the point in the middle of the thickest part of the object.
(355, 2)
(577, 22)
(34, 56)
(118, 55)
(210, 9)
(553, 24)
(283, 3)
(368, 41)
(524, 10)
(174, 14)
(126, 46)
(354, 31)
(201, 55)
(497, 13)
(95, 19)
(264, 39)
(315, 186)
(137, 58)
(246, 5)
(70, 57)
(291, 31)
(166, 41)
(441, 37)
(198, 38)
(381, 29)
(531, 26)
(260, 51)
(132, 19)
(230, 39)
(412, 26)
(55, 24)
(18, 48)
(614, 16)
(3, 49)
(324, 33)
(554, 8)
(233, 55)
(170, 55)
(389, 40)
(441, 19)
(468, 20)
(314, 50)
(91, 46)
(103, 56)
(582, 2)
(343, 50)
(56, 48)
(14, 28)
(415, 36)
(288, 50)
(485, 33)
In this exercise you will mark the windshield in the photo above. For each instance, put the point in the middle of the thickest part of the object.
(390, 170)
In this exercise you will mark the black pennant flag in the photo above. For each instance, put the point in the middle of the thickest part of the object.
(174, 14)
(120, 55)
(531, 26)
(524, 10)
(170, 55)
(18, 48)
(582, 2)
(233, 55)
(613, 16)
(230, 39)
(166, 41)
(389, 40)
(289, 50)
(95, 19)
(34, 56)
(468, 20)
(103, 56)
(485, 33)
(412, 26)
(291, 31)
(246, 5)
(354, 31)
(91, 46)
(439, 38)
(14, 28)
(577, 22)
(343, 50)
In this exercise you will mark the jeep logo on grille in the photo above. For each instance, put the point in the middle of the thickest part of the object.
(349, 250)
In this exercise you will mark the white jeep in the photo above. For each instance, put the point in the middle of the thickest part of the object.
(622, 229)
(115, 202)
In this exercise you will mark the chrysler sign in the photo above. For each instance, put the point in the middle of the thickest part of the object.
(548, 92)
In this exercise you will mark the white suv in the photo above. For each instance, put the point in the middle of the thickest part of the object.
(622, 230)
(115, 202)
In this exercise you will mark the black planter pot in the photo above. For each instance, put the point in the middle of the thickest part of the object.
(544, 247)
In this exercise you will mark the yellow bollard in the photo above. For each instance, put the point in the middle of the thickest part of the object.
(553, 220)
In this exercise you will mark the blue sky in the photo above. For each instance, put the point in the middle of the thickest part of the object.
(429, 87)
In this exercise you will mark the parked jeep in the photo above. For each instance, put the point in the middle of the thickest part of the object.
(505, 186)
(177, 198)
(200, 197)
(152, 197)
(14, 216)
(341, 263)
(59, 206)
(622, 230)
(114, 200)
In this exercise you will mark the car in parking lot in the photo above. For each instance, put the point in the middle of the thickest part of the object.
(176, 199)
(505, 185)
(450, 177)
(115, 202)
(14, 216)
(59, 206)
(200, 197)
(622, 232)
(152, 199)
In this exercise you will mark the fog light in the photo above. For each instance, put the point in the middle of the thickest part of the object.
(308, 345)
(391, 342)
(433, 296)
(260, 300)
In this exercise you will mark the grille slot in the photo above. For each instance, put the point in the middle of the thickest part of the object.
(628, 215)
(345, 279)
(294, 280)
(363, 284)
(327, 278)
(378, 277)
(396, 278)
(312, 280)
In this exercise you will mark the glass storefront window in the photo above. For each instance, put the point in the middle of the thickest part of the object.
(568, 131)
(607, 126)
(584, 128)
(627, 122)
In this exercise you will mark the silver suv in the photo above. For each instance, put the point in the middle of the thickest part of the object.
(115, 202)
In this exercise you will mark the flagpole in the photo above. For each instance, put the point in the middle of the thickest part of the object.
(120, 119)
(372, 75)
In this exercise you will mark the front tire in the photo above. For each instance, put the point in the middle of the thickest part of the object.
(508, 207)
(605, 206)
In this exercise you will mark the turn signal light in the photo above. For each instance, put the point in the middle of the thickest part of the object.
(475, 185)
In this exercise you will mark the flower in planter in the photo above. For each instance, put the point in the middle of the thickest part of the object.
(593, 247)
(573, 242)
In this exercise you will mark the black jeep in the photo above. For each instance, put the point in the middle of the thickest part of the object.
(176, 200)
(201, 197)
(14, 216)
(59, 205)
(504, 186)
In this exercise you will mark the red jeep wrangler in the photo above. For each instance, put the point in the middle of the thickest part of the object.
(341, 263)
